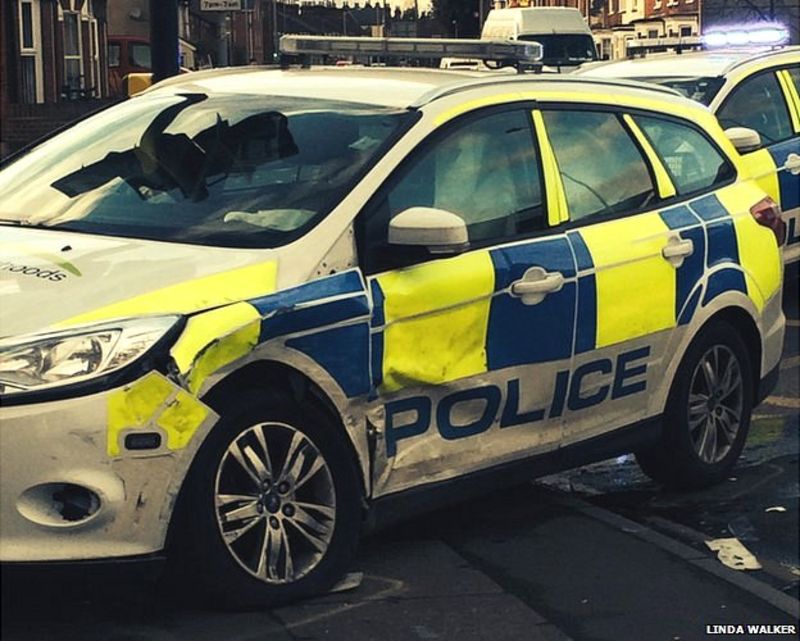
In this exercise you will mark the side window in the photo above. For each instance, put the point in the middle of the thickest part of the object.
(758, 103)
(601, 167)
(113, 55)
(484, 170)
(794, 72)
(139, 55)
(692, 161)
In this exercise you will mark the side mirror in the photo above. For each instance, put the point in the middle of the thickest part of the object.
(745, 140)
(440, 231)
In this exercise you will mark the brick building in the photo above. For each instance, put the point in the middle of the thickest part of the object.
(618, 23)
(53, 50)
(53, 66)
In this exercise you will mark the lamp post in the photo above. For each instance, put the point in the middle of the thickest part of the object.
(164, 38)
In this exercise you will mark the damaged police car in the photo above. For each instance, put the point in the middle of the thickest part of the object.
(250, 313)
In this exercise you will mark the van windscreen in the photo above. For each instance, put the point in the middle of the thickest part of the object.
(564, 49)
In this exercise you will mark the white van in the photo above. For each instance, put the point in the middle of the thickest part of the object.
(562, 32)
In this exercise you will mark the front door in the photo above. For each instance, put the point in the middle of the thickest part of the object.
(467, 349)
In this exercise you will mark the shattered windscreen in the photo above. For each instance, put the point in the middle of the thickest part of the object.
(231, 170)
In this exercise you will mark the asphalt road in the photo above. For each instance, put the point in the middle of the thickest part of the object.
(758, 504)
(592, 554)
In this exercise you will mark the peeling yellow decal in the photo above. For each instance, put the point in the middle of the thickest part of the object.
(135, 405)
(436, 332)
(222, 352)
(154, 401)
(205, 328)
(181, 418)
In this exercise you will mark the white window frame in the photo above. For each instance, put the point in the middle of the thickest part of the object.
(35, 51)
(62, 14)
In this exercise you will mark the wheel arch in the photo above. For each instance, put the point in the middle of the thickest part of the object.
(745, 325)
(274, 375)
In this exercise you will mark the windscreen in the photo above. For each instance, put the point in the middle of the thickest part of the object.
(702, 89)
(233, 171)
(564, 49)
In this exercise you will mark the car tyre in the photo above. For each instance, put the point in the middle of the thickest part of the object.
(271, 510)
(707, 416)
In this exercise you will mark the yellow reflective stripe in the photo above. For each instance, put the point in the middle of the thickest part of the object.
(203, 329)
(792, 99)
(191, 296)
(437, 317)
(758, 254)
(761, 166)
(636, 287)
(581, 94)
(665, 187)
(470, 105)
(557, 210)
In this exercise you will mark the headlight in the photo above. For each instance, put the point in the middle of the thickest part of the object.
(75, 355)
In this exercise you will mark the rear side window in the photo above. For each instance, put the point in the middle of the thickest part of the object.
(794, 72)
(601, 168)
(693, 163)
(758, 103)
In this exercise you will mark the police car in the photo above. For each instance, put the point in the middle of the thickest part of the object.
(251, 313)
(745, 87)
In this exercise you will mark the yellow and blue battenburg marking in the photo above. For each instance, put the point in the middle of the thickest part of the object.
(455, 318)
(328, 320)
(508, 342)
(788, 184)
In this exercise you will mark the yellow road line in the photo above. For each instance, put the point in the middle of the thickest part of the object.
(784, 401)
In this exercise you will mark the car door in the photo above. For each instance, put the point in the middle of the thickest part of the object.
(768, 102)
(467, 348)
(627, 257)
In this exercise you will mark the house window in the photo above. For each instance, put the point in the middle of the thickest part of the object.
(652, 33)
(30, 81)
(26, 16)
(72, 54)
(686, 32)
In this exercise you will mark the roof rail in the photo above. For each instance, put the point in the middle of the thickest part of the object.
(760, 55)
(501, 52)
(449, 90)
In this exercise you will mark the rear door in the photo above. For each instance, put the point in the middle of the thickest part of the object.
(626, 287)
(768, 102)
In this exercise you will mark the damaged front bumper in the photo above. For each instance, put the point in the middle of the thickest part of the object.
(96, 477)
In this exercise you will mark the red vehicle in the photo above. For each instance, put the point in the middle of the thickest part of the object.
(126, 54)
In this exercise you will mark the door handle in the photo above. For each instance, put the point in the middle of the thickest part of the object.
(677, 249)
(535, 284)
(792, 164)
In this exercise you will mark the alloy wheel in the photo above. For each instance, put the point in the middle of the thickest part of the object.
(275, 502)
(716, 396)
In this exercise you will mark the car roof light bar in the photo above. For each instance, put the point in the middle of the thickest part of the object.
(747, 35)
(641, 46)
(506, 52)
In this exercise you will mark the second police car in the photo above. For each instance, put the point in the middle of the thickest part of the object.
(756, 88)
(251, 312)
